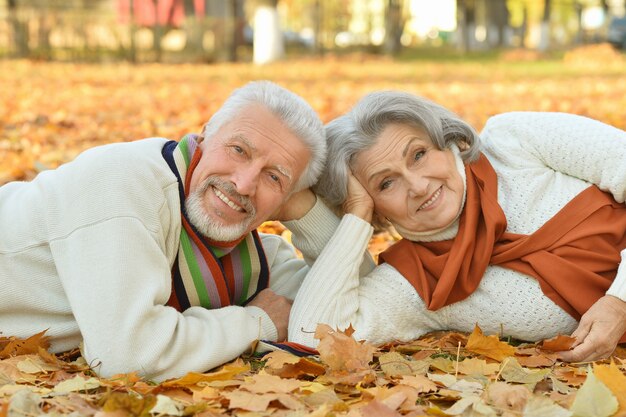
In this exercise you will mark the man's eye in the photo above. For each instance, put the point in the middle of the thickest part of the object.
(275, 178)
(238, 149)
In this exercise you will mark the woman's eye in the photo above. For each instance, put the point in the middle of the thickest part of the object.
(384, 185)
(238, 149)
(275, 178)
(418, 155)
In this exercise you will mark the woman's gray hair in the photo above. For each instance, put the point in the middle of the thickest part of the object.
(359, 129)
(296, 114)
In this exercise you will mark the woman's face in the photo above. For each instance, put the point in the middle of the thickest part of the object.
(413, 184)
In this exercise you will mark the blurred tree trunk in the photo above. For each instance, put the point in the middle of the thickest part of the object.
(158, 32)
(20, 31)
(268, 42)
(498, 15)
(194, 30)
(544, 40)
(318, 46)
(132, 47)
(524, 29)
(466, 23)
(394, 26)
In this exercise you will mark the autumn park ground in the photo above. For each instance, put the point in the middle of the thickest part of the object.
(49, 112)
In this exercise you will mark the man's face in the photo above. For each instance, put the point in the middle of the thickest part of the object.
(247, 170)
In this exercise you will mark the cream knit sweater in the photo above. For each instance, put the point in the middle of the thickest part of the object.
(86, 252)
(542, 160)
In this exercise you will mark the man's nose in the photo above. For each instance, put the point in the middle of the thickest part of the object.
(246, 179)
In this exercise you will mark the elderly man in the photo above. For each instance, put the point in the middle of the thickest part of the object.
(148, 251)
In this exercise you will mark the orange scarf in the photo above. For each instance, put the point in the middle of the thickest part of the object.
(574, 255)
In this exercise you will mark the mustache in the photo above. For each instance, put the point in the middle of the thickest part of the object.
(229, 190)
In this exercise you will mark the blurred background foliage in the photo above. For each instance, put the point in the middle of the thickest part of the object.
(263, 31)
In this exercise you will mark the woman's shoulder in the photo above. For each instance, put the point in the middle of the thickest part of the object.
(534, 119)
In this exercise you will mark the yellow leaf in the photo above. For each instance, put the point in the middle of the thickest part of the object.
(615, 380)
(193, 378)
(489, 346)
(594, 399)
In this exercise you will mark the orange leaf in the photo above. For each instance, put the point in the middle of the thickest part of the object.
(13, 346)
(489, 346)
(558, 343)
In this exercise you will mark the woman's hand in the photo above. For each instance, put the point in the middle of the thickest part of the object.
(296, 206)
(358, 201)
(599, 331)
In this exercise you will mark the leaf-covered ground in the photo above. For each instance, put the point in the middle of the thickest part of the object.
(445, 374)
(49, 112)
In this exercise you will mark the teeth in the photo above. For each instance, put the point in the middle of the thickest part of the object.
(227, 200)
(431, 200)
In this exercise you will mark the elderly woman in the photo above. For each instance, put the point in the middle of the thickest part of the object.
(520, 230)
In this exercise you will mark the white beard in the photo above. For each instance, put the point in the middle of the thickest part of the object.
(209, 225)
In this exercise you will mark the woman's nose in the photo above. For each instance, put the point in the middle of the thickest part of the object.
(418, 186)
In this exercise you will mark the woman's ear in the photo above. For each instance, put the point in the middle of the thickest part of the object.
(463, 145)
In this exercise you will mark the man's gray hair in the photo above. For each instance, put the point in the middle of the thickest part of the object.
(358, 130)
(294, 112)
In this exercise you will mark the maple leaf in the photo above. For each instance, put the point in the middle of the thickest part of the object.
(558, 343)
(341, 352)
(13, 346)
(490, 346)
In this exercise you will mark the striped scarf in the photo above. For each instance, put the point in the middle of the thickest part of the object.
(206, 273)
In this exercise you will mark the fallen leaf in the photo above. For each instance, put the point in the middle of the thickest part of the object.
(287, 365)
(264, 383)
(193, 378)
(558, 343)
(419, 382)
(13, 346)
(395, 364)
(594, 399)
(378, 409)
(247, 401)
(512, 398)
(489, 346)
(475, 366)
(615, 380)
(341, 352)
(78, 383)
(544, 407)
(166, 406)
(24, 403)
(512, 371)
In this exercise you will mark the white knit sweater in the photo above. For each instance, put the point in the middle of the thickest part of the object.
(86, 252)
(542, 160)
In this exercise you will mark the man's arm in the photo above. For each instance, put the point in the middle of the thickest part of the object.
(117, 280)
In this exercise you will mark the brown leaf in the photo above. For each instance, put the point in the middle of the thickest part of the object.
(287, 365)
(13, 346)
(489, 346)
(558, 343)
(507, 396)
(341, 352)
